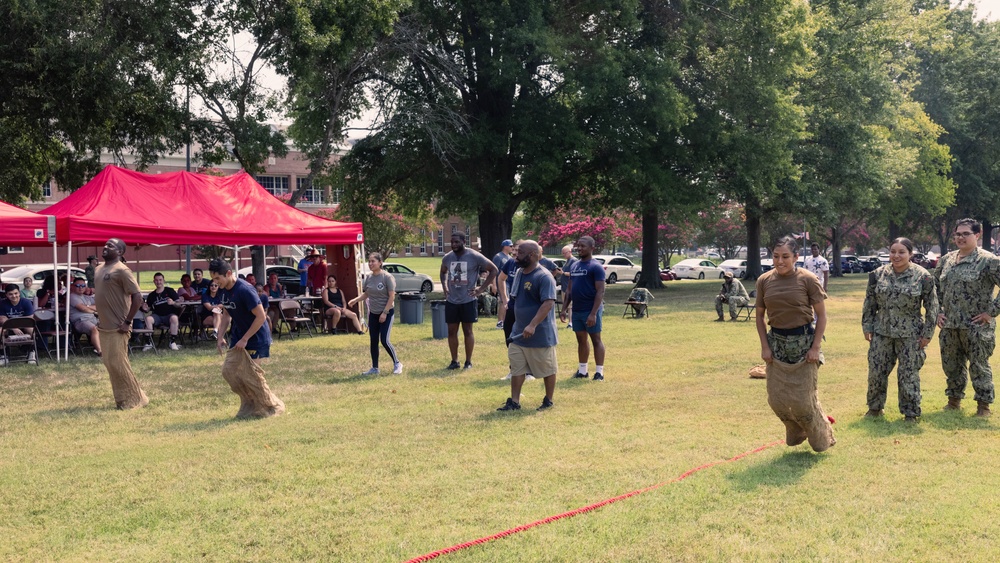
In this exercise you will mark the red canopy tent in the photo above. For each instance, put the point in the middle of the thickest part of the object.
(20, 227)
(186, 208)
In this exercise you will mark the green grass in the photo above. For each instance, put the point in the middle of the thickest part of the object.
(392, 467)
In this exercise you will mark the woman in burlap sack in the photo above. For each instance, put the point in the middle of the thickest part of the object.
(791, 298)
(892, 323)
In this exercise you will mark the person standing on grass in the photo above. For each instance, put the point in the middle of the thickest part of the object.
(499, 259)
(892, 323)
(966, 279)
(249, 343)
(380, 291)
(117, 298)
(460, 271)
(533, 342)
(817, 265)
(303, 268)
(569, 262)
(586, 295)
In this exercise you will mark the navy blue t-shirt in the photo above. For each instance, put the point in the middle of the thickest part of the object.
(583, 279)
(24, 308)
(532, 290)
(240, 301)
(207, 298)
(201, 287)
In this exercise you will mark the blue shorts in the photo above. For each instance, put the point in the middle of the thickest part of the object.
(580, 321)
(262, 351)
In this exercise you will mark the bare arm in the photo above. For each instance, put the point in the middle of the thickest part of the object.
(765, 348)
(819, 308)
(539, 317)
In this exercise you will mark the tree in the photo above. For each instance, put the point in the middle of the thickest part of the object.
(609, 229)
(723, 226)
(386, 229)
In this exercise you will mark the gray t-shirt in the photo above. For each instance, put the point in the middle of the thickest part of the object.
(78, 315)
(462, 274)
(533, 290)
(378, 286)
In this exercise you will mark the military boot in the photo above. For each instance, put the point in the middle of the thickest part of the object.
(984, 410)
(954, 404)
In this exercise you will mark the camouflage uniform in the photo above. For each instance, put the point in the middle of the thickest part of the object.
(892, 314)
(965, 289)
(791, 349)
(736, 295)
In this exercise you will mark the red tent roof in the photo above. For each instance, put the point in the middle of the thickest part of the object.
(186, 208)
(20, 227)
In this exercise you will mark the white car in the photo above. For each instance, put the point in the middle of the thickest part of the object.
(406, 279)
(697, 269)
(737, 267)
(618, 268)
(37, 272)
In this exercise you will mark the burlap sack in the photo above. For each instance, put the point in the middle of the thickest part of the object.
(758, 372)
(246, 379)
(791, 393)
(124, 385)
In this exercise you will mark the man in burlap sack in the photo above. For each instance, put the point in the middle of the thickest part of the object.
(249, 343)
(789, 297)
(117, 298)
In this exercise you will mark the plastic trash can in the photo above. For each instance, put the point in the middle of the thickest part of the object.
(438, 324)
(411, 308)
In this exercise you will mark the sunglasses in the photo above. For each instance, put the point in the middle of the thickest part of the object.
(76, 285)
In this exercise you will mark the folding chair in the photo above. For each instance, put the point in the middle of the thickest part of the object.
(292, 317)
(749, 310)
(638, 303)
(15, 336)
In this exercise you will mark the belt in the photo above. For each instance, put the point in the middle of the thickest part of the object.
(797, 331)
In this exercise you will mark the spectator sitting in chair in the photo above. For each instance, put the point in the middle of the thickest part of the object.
(187, 292)
(15, 306)
(734, 294)
(333, 302)
(274, 289)
(83, 313)
(28, 292)
(638, 299)
(200, 284)
(488, 305)
(161, 302)
(211, 307)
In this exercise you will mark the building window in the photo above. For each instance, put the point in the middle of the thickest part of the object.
(454, 228)
(312, 194)
(423, 247)
(409, 249)
(47, 189)
(15, 250)
(275, 185)
(336, 195)
(468, 232)
(440, 241)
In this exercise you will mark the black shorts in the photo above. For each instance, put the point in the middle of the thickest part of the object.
(464, 313)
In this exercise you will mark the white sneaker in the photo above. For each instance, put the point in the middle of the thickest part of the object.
(397, 368)
(500, 324)
(174, 346)
(31, 358)
(373, 371)
(3, 360)
(147, 348)
(506, 377)
(529, 377)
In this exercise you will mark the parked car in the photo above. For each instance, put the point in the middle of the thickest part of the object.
(697, 268)
(921, 259)
(666, 274)
(883, 258)
(618, 268)
(37, 272)
(737, 267)
(869, 263)
(766, 264)
(406, 279)
(287, 276)
(849, 264)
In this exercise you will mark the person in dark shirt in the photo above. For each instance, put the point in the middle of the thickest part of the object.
(164, 312)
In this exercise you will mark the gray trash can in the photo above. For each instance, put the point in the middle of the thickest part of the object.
(438, 324)
(411, 308)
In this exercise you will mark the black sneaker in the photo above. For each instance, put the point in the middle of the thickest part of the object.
(546, 404)
(510, 405)
(466, 366)
(579, 375)
(598, 377)
(453, 365)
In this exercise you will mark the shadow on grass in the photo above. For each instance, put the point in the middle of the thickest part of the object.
(74, 411)
(202, 425)
(956, 420)
(781, 471)
(881, 427)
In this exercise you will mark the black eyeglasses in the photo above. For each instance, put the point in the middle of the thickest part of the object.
(963, 235)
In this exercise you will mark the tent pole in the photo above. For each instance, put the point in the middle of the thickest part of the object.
(69, 258)
(359, 260)
(55, 298)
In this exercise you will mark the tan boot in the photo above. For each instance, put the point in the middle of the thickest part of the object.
(954, 404)
(873, 413)
(984, 410)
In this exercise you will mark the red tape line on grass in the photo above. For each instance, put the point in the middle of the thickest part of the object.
(595, 506)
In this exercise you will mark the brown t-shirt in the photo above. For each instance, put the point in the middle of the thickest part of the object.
(113, 289)
(788, 300)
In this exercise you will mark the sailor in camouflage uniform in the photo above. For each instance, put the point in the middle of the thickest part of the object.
(892, 323)
(732, 292)
(966, 279)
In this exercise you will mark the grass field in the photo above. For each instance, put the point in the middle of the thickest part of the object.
(393, 467)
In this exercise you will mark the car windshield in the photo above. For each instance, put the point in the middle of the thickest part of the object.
(401, 269)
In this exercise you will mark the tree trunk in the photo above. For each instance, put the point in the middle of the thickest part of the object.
(494, 227)
(835, 271)
(893, 230)
(753, 212)
(650, 276)
(987, 235)
(257, 264)
(942, 233)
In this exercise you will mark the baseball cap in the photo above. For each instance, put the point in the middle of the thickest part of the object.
(507, 242)
(728, 274)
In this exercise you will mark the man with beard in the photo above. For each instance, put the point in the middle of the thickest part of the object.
(533, 341)
(117, 298)
(460, 270)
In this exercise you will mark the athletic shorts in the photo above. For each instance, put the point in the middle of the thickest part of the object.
(84, 326)
(161, 321)
(580, 321)
(540, 362)
(260, 352)
(464, 313)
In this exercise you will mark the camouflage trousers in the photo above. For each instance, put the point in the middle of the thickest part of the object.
(883, 353)
(734, 305)
(791, 349)
(959, 346)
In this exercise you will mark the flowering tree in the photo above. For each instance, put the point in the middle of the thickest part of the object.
(725, 227)
(674, 237)
(609, 230)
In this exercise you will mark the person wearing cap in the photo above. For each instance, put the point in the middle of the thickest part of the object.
(317, 274)
(734, 294)
(304, 267)
(89, 270)
(499, 259)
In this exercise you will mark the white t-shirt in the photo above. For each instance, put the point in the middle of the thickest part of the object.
(817, 265)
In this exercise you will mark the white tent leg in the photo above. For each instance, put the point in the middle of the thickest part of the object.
(55, 299)
(69, 259)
